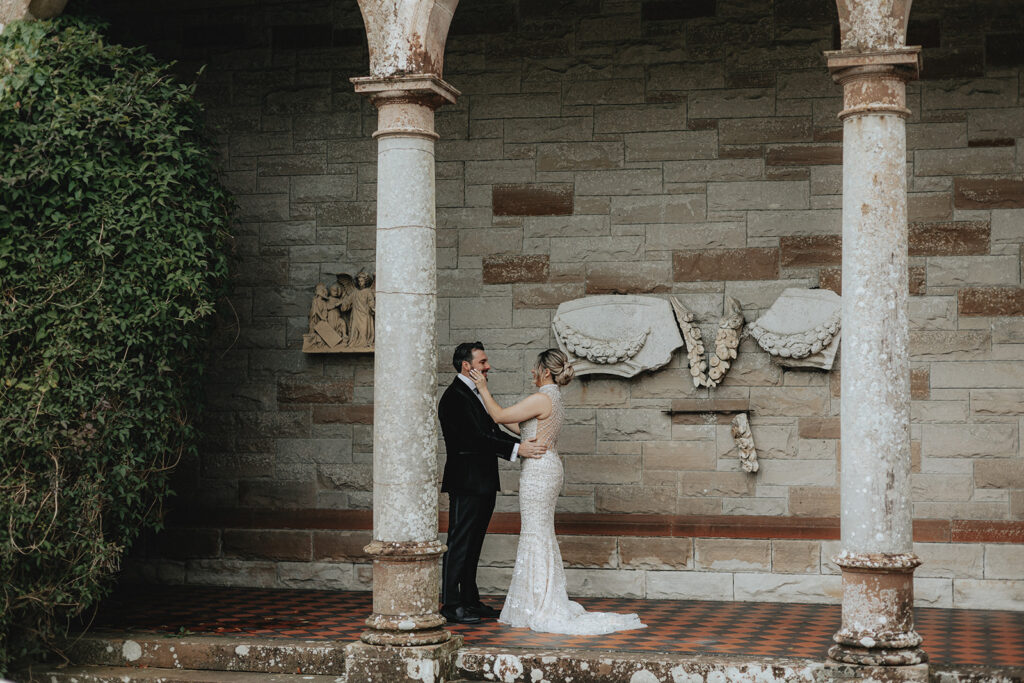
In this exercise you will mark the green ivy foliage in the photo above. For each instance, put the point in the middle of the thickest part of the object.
(113, 252)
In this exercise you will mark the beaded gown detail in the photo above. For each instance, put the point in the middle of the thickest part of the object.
(537, 596)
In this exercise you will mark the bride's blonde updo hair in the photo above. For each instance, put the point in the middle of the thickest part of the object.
(561, 369)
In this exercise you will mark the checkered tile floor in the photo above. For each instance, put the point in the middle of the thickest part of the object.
(959, 637)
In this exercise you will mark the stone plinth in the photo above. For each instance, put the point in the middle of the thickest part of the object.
(385, 664)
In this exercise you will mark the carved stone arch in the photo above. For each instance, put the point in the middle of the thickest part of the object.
(873, 25)
(12, 10)
(407, 36)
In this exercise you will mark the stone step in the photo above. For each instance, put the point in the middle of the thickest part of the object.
(211, 653)
(600, 666)
(591, 666)
(516, 665)
(126, 658)
(124, 674)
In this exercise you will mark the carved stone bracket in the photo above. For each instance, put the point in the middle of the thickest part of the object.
(709, 406)
(718, 411)
(726, 342)
(744, 441)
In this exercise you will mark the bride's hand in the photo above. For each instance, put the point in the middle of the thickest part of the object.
(479, 379)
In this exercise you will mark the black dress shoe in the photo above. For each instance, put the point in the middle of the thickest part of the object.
(459, 615)
(485, 611)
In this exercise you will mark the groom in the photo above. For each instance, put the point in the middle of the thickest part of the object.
(472, 441)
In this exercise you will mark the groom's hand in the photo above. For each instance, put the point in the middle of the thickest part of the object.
(531, 449)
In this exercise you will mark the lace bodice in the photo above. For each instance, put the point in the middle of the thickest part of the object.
(546, 430)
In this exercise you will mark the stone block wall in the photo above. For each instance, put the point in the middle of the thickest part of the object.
(965, 564)
(603, 147)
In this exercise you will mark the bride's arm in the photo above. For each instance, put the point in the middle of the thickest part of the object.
(534, 405)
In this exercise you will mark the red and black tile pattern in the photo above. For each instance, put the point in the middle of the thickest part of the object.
(961, 637)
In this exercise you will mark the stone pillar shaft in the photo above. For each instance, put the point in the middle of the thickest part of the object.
(405, 365)
(405, 547)
(876, 512)
(877, 557)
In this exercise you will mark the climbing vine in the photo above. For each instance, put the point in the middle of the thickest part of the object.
(113, 235)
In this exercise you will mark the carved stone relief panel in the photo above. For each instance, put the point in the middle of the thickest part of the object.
(801, 329)
(342, 316)
(616, 334)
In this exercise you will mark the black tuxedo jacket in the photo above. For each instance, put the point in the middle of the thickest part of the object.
(472, 440)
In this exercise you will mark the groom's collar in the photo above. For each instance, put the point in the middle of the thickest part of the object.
(467, 381)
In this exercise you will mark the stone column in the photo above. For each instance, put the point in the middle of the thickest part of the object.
(877, 558)
(405, 638)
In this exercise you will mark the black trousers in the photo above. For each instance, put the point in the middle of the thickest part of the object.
(468, 517)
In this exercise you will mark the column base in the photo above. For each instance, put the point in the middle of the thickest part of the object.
(878, 611)
(841, 672)
(862, 656)
(406, 576)
(390, 631)
(387, 664)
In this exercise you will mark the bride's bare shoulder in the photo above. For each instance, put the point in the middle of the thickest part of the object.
(544, 403)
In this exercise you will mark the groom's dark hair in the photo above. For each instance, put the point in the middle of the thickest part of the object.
(464, 352)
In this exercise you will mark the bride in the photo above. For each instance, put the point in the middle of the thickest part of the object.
(537, 596)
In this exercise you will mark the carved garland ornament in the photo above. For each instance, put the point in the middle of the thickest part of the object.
(798, 344)
(726, 342)
(597, 350)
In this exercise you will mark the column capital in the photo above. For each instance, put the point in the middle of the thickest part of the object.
(905, 61)
(874, 82)
(406, 104)
(425, 89)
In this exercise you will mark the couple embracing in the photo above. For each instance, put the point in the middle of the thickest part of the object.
(470, 416)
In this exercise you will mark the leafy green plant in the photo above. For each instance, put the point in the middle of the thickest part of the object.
(113, 235)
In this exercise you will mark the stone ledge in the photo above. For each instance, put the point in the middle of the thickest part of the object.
(489, 663)
(216, 653)
(588, 524)
(709, 405)
(109, 674)
(483, 663)
(218, 659)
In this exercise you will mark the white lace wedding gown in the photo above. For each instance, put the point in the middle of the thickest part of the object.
(537, 596)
